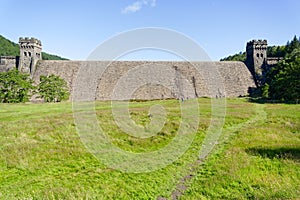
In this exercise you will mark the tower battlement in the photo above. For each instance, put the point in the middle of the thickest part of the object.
(261, 45)
(31, 40)
(259, 42)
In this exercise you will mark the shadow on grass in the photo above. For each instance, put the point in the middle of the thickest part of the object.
(256, 97)
(270, 101)
(280, 153)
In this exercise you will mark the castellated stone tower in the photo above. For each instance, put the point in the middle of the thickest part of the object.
(257, 59)
(30, 53)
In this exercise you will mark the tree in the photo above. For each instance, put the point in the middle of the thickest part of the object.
(53, 88)
(15, 87)
(286, 83)
(276, 51)
(294, 44)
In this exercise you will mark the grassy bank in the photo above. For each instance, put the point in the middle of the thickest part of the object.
(42, 156)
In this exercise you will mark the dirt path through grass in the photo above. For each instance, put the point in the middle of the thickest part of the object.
(227, 134)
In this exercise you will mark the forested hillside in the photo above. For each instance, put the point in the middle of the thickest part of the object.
(272, 51)
(236, 57)
(9, 48)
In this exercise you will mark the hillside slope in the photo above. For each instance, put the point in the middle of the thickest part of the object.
(9, 48)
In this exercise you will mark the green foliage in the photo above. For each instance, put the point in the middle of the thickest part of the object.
(46, 56)
(15, 87)
(8, 48)
(285, 83)
(236, 57)
(53, 88)
(276, 51)
(294, 44)
(283, 80)
(265, 91)
(283, 51)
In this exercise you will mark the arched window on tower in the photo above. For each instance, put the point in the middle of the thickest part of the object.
(257, 55)
(25, 53)
(261, 55)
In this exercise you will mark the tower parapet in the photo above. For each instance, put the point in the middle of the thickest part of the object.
(30, 53)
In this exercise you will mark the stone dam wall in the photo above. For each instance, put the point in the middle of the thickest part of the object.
(8, 63)
(120, 80)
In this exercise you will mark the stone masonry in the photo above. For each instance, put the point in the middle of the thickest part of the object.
(8, 63)
(180, 80)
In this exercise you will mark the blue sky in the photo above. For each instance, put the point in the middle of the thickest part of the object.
(75, 28)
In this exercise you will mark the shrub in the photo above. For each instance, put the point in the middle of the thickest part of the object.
(53, 88)
(15, 87)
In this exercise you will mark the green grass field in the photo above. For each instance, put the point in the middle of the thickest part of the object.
(257, 155)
